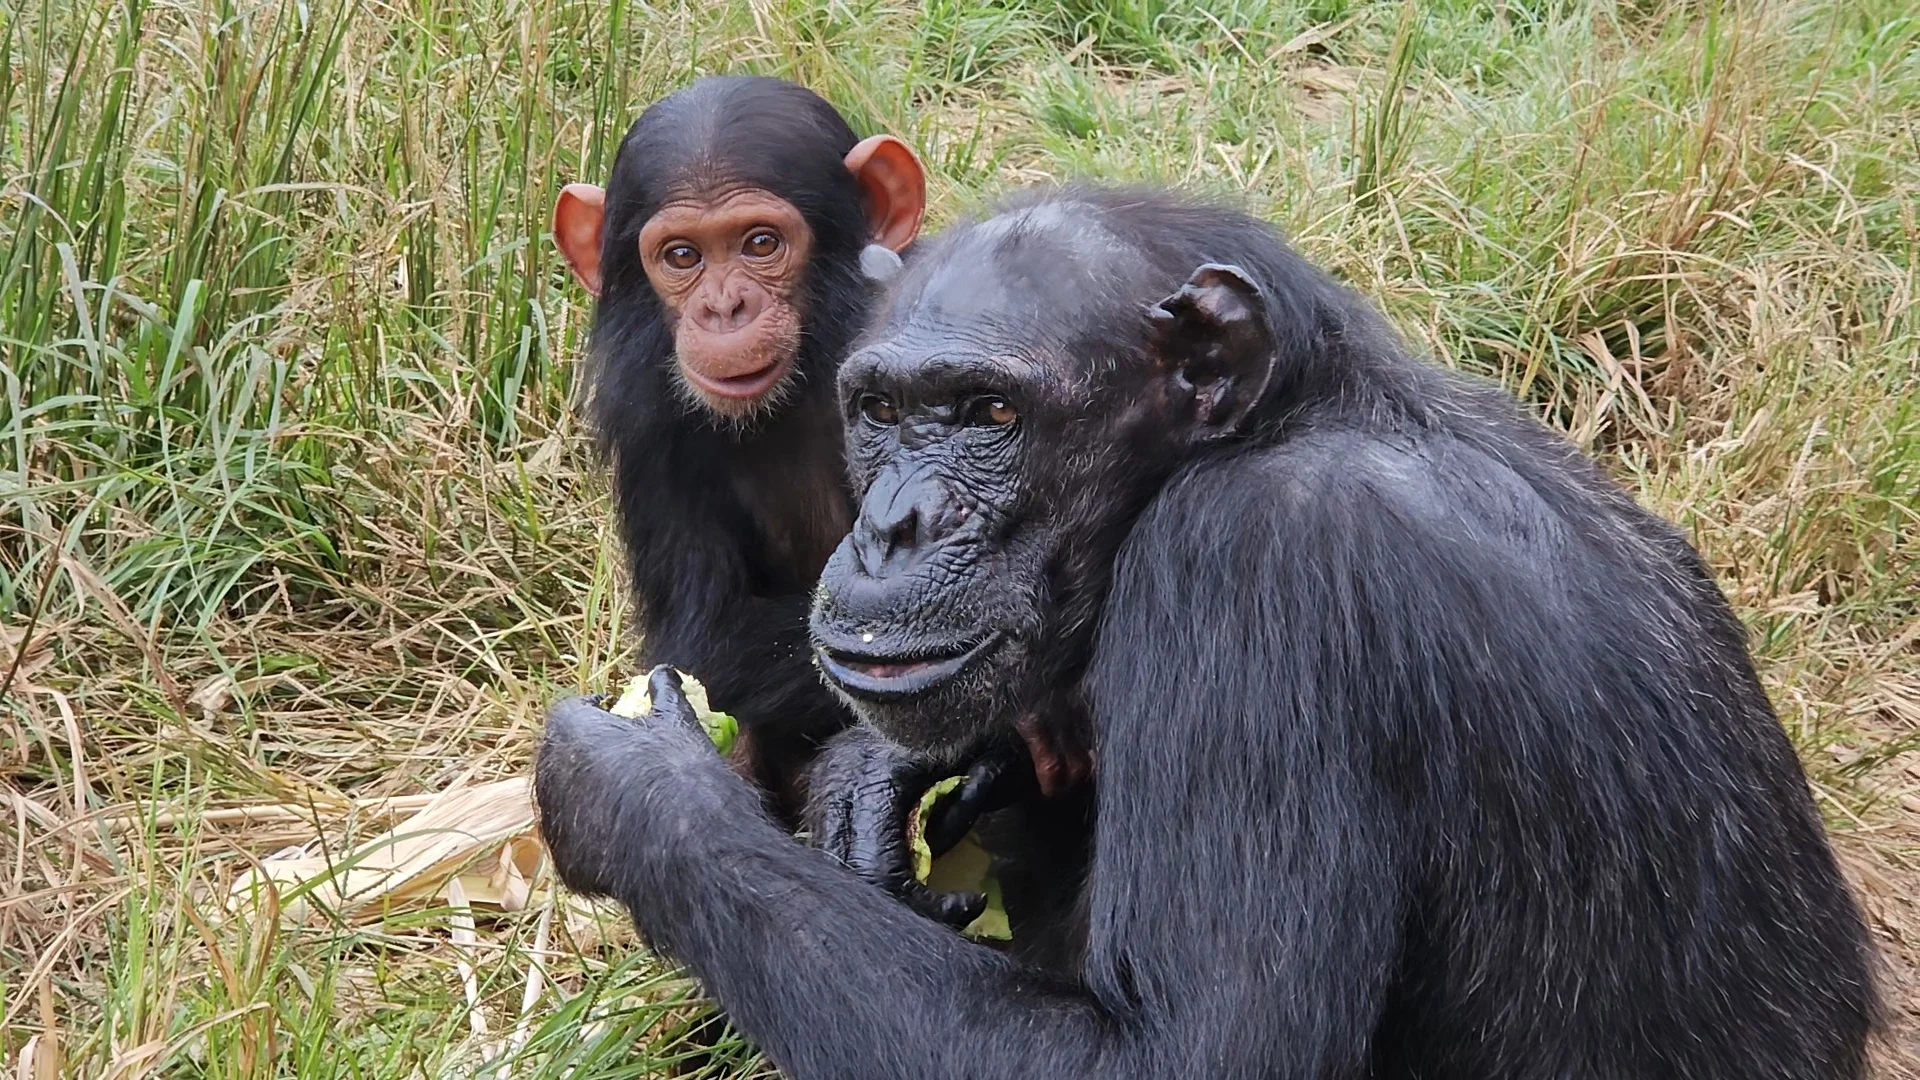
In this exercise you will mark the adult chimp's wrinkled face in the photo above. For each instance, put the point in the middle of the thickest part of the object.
(1031, 387)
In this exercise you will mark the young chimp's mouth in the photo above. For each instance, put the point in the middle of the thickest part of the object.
(746, 387)
(890, 678)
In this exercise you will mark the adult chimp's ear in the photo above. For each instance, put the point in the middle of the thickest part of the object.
(578, 219)
(894, 188)
(1216, 346)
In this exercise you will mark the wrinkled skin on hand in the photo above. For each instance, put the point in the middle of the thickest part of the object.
(670, 781)
(865, 788)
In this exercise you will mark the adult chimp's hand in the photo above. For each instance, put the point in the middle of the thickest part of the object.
(863, 790)
(649, 781)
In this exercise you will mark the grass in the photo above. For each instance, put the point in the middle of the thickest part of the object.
(294, 510)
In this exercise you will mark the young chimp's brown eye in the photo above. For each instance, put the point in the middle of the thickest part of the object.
(681, 256)
(879, 410)
(990, 412)
(762, 244)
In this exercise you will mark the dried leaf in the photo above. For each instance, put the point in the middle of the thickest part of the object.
(482, 834)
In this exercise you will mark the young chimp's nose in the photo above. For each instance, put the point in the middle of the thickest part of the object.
(727, 308)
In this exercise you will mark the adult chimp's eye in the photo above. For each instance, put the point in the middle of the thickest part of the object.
(761, 244)
(879, 410)
(990, 412)
(681, 256)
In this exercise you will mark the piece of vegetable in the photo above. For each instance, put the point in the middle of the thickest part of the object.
(637, 701)
(916, 825)
(966, 868)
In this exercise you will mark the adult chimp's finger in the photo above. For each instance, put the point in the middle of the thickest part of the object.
(953, 909)
(831, 789)
(669, 700)
(829, 820)
(876, 842)
(990, 785)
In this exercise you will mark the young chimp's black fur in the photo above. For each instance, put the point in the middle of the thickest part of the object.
(1422, 751)
(726, 526)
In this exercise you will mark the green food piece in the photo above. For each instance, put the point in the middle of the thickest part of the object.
(916, 825)
(722, 728)
(967, 868)
(636, 701)
(992, 922)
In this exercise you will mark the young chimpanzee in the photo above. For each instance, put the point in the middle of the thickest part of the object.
(1423, 751)
(726, 256)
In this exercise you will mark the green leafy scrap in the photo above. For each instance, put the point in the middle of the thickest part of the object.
(637, 701)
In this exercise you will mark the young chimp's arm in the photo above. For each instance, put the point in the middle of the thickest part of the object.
(1246, 895)
(702, 611)
(751, 652)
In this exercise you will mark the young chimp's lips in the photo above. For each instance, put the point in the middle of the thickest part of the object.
(740, 387)
(892, 678)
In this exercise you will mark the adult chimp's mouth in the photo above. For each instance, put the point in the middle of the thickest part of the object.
(890, 678)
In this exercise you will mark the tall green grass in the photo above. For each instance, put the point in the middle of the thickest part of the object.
(287, 361)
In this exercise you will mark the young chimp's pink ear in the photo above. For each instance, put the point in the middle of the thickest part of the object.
(1214, 341)
(578, 219)
(894, 187)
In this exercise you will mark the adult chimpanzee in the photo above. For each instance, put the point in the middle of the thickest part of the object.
(1422, 751)
(726, 256)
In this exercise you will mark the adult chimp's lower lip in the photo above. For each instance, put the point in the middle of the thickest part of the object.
(890, 678)
(740, 387)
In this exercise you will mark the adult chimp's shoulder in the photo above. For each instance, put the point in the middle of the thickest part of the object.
(1331, 493)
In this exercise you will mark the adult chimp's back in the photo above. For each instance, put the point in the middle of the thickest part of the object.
(1422, 751)
(1583, 876)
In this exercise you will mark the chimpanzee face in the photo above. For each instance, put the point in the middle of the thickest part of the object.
(703, 231)
(728, 266)
(1030, 388)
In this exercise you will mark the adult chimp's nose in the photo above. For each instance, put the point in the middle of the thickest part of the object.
(886, 536)
(907, 513)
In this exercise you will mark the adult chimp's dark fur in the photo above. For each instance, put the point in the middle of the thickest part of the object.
(1422, 750)
(726, 527)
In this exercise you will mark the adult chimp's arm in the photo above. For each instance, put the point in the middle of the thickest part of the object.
(828, 975)
(1249, 872)
(1246, 893)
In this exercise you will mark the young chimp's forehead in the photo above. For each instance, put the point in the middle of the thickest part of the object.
(1034, 276)
(726, 132)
